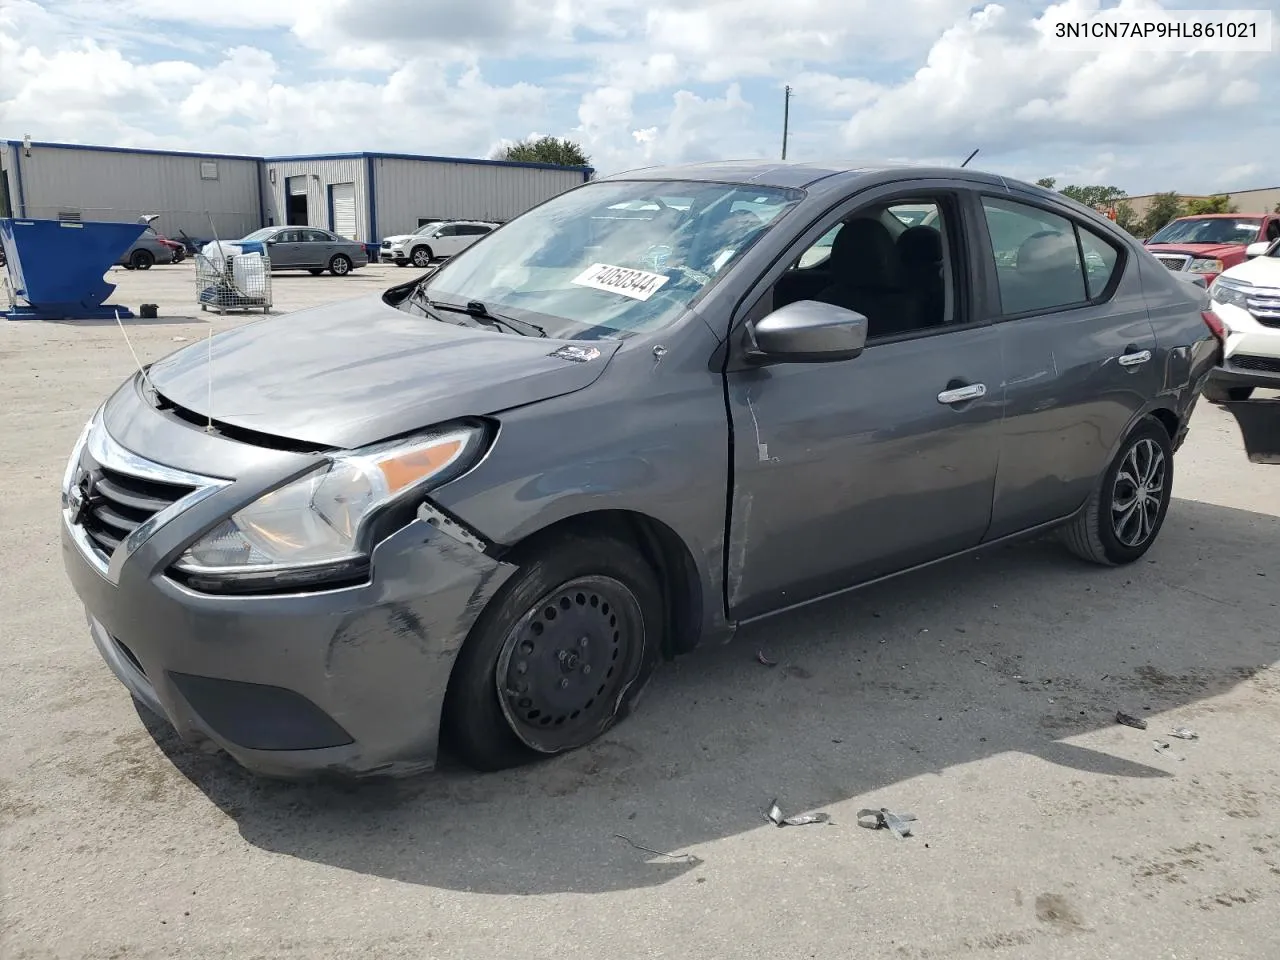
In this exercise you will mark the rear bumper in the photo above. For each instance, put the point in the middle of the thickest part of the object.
(348, 682)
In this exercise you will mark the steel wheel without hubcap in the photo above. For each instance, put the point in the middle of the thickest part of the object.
(567, 662)
(1138, 494)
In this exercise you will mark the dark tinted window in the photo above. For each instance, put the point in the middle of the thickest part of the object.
(1036, 257)
(1100, 260)
(1273, 230)
(316, 236)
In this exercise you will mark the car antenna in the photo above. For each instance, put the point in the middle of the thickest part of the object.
(970, 157)
(128, 343)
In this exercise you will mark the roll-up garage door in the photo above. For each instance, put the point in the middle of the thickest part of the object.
(344, 209)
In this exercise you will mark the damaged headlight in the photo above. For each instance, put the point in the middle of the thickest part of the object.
(313, 527)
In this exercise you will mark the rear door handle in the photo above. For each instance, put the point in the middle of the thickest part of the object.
(1133, 359)
(960, 394)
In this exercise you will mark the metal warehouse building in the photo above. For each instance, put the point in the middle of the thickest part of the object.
(61, 181)
(363, 196)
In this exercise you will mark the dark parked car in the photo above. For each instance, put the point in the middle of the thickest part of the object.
(482, 507)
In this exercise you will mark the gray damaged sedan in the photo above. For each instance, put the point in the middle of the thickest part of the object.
(477, 511)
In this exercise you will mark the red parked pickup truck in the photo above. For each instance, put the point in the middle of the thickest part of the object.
(1209, 243)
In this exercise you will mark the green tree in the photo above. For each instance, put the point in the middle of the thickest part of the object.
(1126, 218)
(1093, 196)
(1046, 182)
(562, 153)
(1164, 207)
(1218, 203)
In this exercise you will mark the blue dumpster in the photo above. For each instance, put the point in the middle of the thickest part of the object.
(58, 268)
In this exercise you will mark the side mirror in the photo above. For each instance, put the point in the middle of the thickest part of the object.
(808, 332)
(1258, 249)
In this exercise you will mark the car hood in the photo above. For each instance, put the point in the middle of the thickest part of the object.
(353, 373)
(403, 237)
(1208, 250)
(1261, 271)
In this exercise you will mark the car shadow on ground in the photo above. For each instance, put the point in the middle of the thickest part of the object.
(1017, 650)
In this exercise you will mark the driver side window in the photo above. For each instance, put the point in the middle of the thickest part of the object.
(894, 263)
(1273, 230)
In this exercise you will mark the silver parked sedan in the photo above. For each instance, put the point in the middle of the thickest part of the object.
(299, 248)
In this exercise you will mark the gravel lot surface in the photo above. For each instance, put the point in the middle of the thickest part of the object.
(979, 696)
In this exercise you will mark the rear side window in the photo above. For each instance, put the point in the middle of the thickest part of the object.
(1100, 260)
(1044, 261)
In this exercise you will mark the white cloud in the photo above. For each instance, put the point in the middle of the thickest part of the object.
(641, 82)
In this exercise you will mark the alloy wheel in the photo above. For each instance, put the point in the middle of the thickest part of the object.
(1138, 493)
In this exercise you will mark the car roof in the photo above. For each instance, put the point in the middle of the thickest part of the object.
(800, 173)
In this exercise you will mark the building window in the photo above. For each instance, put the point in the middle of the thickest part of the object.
(208, 169)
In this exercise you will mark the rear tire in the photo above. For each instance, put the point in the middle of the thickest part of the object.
(142, 259)
(1216, 394)
(558, 656)
(1127, 509)
(421, 257)
(340, 265)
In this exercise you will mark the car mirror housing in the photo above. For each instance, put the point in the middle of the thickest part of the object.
(808, 331)
(1258, 249)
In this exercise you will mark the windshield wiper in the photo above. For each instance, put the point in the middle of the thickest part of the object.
(479, 312)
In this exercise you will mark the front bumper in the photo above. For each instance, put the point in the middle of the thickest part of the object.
(1230, 375)
(393, 256)
(348, 681)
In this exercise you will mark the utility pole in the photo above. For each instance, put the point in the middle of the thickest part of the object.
(786, 119)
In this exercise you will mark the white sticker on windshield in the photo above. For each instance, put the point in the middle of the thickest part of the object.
(636, 284)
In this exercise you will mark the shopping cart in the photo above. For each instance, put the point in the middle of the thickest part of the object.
(239, 282)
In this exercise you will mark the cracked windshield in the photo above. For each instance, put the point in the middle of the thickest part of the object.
(609, 259)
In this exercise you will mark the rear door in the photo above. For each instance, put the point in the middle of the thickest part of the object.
(319, 246)
(1079, 352)
(469, 233)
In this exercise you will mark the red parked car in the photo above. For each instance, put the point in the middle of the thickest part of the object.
(1209, 243)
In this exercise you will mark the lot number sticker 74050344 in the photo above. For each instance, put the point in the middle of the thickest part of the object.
(636, 284)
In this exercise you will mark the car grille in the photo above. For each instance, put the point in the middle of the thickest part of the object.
(1174, 261)
(1264, 304)
(118, 503)
(1262, 364)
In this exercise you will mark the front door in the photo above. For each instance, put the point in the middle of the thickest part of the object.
(1080, 352)
(447, 242)
(287, 250)
(851, 470)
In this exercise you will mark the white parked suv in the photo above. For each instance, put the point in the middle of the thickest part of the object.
(434, 241)
(1247, 299)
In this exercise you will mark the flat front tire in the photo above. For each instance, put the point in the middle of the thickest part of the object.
(558, 656)
(1127, 508)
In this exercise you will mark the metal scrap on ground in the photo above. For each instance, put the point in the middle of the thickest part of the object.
(686, 857)
(1129, 721)
(1183, 733)
(765, 660)
(899, 823)
(774, 816)
(1162, 747)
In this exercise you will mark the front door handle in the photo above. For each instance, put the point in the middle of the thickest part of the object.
(960, 394)
(1133, 359)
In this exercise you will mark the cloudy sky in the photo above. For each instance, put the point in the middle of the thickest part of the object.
(643, 81)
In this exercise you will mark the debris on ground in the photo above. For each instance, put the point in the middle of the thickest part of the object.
(899, 823)
(1162, 748)
(1184, 733)
(686, 857)
(765, 660)
(774, 816)
(1129, 721)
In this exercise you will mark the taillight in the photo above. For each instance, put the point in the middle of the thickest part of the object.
(1215, 325)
